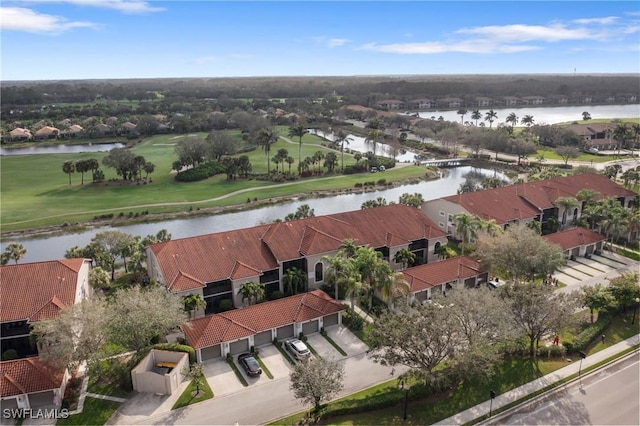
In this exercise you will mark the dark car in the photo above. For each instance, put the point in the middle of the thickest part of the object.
(250, 365)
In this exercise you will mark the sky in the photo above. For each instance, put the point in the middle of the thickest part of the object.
(109, 39)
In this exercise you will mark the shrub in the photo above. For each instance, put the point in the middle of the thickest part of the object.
(589, 334)
(9, 354)
(382, 182)
(352, 320)
(176, 347)
(226, 305)
(358, 185)
(552, 352)
(203, 171)
(277, 295)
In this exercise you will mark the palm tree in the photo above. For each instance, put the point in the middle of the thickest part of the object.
(15, 251)
(467, 227)
(252, 292)
(299, 130)
(462, 112)
(68, 167)
(374, 136)
(512, 119)
(392, 287)
(339, 271)
(353, 288)
(405, 257)
(621, 134)
(586, 196)
(266, 137)
(635, 129)
(613, 218)
(293, 280)
(490, 116)
(340, 139)
(476, 115)
(193, 302)
(348, 247)
(528, 121)
(373, 270)
(586, 116)
(566, 203)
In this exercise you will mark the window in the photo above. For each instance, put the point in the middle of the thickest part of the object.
(441, 213)
(441, 225)
(319, 272)
(450, 218)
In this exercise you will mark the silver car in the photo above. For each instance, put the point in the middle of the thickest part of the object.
(298, 349)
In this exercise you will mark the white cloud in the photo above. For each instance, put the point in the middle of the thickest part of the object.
(522, 33)
(427, 48)
(27, 20)
(334, 42)
(124, 6)
(608, 20)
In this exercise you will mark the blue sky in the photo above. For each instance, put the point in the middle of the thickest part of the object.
(84, 39)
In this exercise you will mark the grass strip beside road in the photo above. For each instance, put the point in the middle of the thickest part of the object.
(187, 397)
(95, 412)
(285, 354)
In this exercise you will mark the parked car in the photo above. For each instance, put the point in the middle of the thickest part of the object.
(382, 168)
(250, 365)
(298, 349)
(374, 170)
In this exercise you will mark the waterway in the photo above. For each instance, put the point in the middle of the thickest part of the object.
(62, 149)
(54, 247)
(544, 115)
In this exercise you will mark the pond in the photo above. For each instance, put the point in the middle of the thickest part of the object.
(54, 247)
(62, 149)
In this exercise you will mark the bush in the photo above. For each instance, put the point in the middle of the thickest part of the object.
(382, 182)
(226, 305)
(202, 172)
(9, 354)
(352, 320)
(277, 295)
(589, 334)
(176, 347)
(552, 352)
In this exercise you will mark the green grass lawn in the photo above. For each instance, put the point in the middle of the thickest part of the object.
(95, 412)
(187, 397)
(35, 191)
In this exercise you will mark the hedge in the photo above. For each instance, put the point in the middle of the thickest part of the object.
(589, 334)
(176, 347)
(202, 172)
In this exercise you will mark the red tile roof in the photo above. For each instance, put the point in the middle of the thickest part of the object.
(37, 291)
(28, 375)
(189, 263)
(575, 237)
(433, 274)
(239, 323)
(527, 200)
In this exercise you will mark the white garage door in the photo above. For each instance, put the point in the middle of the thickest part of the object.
(211, 352)
(263, 338)
(310, 327)
(330, 320)
(285, 332)
(239, 346)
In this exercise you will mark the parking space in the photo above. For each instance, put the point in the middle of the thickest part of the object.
(323, 347)
(346, 340)
(221, 377)
(274, 361)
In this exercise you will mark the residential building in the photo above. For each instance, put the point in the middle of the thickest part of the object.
(511, 101)
(238, 330)
(577, 241)
(451, 102)
(20, 134)
(596, 135)
(47, 132)
(533, 100)
(38, 291)
(484, 102)
(441, 277)
(390, 104)
(216, 266)
(31, 383)
(524, 202)
(421, 103)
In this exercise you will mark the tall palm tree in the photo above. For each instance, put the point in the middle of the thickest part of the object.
(293, 280)
(462, 112)
(615, 218)
(490, 116)
(528, 121)
(299, 130)
(467, 227)
(252, 291)
(512, 119)
(566, 203)
(392, 287)
(635, 129)
(621, 134)
(353, 288)
(348, 247)
(339, 271)
(374, 136)
(476, 115)
(266, 137)
(340, 139)
(405, 257)
(192, 303)
(69, 167)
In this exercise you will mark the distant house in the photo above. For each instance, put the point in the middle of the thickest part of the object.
(484, 102)
(440, 277)
(390, 104)
(33, 292)
(511, 101)
(73, 131)
(20, 134)
(103, 130)
(596, 135)
(451, 102)
(47, 132)
(533, 100)
(127, 128)
(236, 331)
(30, 383)
(421, 103)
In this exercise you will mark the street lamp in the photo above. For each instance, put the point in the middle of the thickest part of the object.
(582, 356)
(402, 382)
(492, 394)
(635, 310)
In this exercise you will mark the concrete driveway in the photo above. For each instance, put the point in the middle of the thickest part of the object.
(221, 377)
(597, 270)
(274, 361)
(343, 337)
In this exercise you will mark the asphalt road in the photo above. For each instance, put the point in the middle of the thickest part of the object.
(269, 401)
(610, 396)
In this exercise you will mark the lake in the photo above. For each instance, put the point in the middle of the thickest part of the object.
(62, 149)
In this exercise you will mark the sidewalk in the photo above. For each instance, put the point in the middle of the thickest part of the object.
(516, 394)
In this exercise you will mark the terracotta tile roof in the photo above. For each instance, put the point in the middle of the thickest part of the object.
(28, 375)
(527, 200)
(214, 257)
(239, 323)
(432, 274)
(37, 291)
(575, 237)
(47, 130)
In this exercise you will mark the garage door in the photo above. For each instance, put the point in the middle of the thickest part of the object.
(575, 251)
(285, 332)
(310, 327)
(9, 404)
(330, 320)
(262, 338)
(211, 352)
(239, 346)
(40, 399)
(590, 249)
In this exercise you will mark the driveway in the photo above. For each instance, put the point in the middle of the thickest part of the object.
(221, 377)
(597, 270)
(342, 337)
(274, 361)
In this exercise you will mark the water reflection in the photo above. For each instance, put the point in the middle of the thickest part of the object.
(61, 149)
